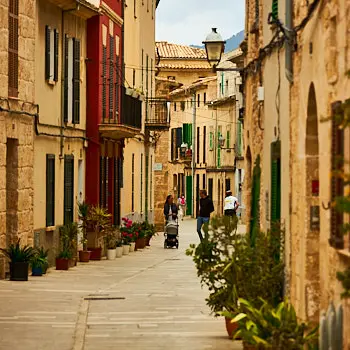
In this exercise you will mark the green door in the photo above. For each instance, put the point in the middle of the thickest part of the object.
(189, 195)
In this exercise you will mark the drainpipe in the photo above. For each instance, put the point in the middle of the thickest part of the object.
(289, 41)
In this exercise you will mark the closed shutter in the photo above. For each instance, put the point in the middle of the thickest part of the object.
(210, 188)
(117, 187)
(239, 139)
(104, 83)
(111, 78)
(204, 144)
(228, 139)
(56, 50)
(211, 140)
(106, 189)
(68, 189)
(47, 52)
(173, 144)
(198, 143)
(274, 10)
(117, 85)
(65, 94)
(102, 182)
(337, 182)
(219, 152)
(76, 81)
(50, 190)
(178, 141)
(13, 48)
(275, 181)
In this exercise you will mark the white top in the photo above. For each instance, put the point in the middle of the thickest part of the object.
(230, 202)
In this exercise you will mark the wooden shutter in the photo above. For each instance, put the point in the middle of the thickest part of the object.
(111, 77)
(228, 139)
(56, 53)
(68, 189)
(178, 142)
(210, 187)
(102, 182)
(65, 95)
(104, 83)
(275, 181)
(76, 81)
(117, 85)
(337, 182)
(50, 190)
(173, 143)
(211, 140)
(47, 52)
(198, 143)
(13, 49)
(219, 152)
(117, 186)
(274, 10)
(204, 144)
(204, 184)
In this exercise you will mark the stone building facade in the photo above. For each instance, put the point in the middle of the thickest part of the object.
(292, 85)
(17, 114)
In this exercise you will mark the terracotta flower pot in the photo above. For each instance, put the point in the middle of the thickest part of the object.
(247, 346)
(62, 264)
(140, 243)
(95, 253)
(84, 255)
(230, 327)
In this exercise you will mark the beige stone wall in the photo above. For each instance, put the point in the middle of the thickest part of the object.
(16, 133)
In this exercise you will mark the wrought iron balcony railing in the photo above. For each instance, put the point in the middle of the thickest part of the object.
(157, 114)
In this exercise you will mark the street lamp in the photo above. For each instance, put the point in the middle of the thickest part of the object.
(221, 141)
(214, 47)
(184, 147)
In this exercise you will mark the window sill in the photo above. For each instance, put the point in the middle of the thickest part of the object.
(50, 228)
(344, 253)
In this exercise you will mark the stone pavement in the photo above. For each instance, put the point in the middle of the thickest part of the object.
(150, 299)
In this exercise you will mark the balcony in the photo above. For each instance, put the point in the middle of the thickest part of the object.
(128, 123)
(157, 114)
(82, 8)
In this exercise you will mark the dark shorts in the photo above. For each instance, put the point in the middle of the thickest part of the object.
(230, 212)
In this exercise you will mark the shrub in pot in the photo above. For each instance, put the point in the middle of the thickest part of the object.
(83, 213)
(38, 262)
(119, 248)
(149, 231)
(19, 257)
(62, 260)
(44, 255)
(274, 327)
(99, 222)
(69, 239)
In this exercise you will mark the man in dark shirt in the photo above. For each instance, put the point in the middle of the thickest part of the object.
(206, 207)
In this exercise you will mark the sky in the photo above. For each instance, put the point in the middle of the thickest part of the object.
(189, 21)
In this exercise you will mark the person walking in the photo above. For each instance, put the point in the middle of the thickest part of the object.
(181, 202)
(230, 204)
(170, 209)
(206, 207)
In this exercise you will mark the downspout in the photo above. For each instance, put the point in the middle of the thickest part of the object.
(289, 41)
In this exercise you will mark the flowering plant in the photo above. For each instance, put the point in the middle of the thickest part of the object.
(127, 231)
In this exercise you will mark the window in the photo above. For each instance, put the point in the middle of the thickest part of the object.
(50, 190)
(211, 140)
(111, 78)
(226, 87)
(187, 134)
(51, 54)
(147, 76)
(219, 149)
(151, 92)
(174, 106)
(104, 83)
(204, 183)
(205, 98)
(68, 194)
(204, 143)
(275, 181)
(337, 182)
(227, 184)
(104, 161)
(171, 77)
(133, 183)
(228, 138)
(13, 49)
(133, 77)
(274, 10)
(141, 183)
(72, 81)
(198, 143)
(198, 100)
(135, 9)
(183, 106)
(142, 63)
(176, 140)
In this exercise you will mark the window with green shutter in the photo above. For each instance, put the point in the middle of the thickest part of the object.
(68, 194)
(211, 140)
(239, 139)
(187, 134)
(275, 181)
(274, 10)
(50, 190)
(219, 152)
(228, 139)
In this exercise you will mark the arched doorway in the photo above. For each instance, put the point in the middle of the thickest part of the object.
(312, 229)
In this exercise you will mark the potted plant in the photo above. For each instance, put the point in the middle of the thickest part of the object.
(111, 244)
(140, 232)
(62, 260)
(44, 255)
(273, 327)
(83, 212)
(99, 222)
(149, 231)
(69, 238)
(127, 234)
(119, 248)
(19, 258)
(39, 262)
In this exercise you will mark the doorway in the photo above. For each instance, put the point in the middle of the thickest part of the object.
(189, 195)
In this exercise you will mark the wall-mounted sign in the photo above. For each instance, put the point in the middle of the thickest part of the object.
(315, 218)
(157, 166)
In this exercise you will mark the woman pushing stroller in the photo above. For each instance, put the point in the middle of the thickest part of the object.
(170, 209)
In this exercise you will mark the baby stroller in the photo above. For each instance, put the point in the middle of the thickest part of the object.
(171, 234)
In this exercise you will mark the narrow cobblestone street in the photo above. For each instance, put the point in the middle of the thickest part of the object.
(152, 300)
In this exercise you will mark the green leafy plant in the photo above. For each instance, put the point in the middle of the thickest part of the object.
(148, 229)
(64, 254)
(83, 212)
(111, 238)
(17, 253)
(69, 237)
(274, 328)
(344, 278)
(99, 220)
(40, 258)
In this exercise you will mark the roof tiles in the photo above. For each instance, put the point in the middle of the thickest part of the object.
(168, 50)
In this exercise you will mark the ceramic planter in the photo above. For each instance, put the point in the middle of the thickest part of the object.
(19, 271)
(62, 264)
(132, 247)
(119, 252)
(84, 255)
(230, 327)
(37, 271)
(126, 249)
(111, 254)
(95, 253)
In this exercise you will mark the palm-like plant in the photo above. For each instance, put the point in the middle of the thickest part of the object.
(17, 254)
(99, 219)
